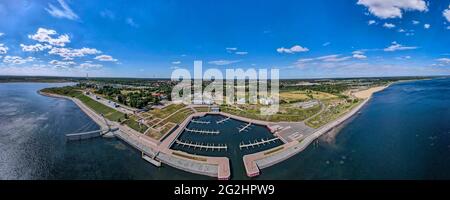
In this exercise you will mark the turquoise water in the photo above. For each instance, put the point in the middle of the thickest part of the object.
(402, 133)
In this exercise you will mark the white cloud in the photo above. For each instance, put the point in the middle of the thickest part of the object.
(370, 22)
(401, 30)
(397, 47)
(2, 34)
(44, 35)
(34, 48)
(294, 49)
(65, 63)
(69, 54)
(388, 25)
(3, 49)
(90, 66)
(17, 60)
(426, 26)
(393, 8)
(130, 21)
(359, 55)
(446, 14)
(333, 58)
(223, 62)
(415, 22)
(241, 53)
(326, 44)
(106, 58)
(63, 12)
(176, 62)
(444, 60)
(231, 48)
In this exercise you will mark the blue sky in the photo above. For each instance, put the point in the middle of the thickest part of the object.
(304, 39)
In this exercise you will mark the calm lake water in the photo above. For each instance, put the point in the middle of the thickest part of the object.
(402, 133)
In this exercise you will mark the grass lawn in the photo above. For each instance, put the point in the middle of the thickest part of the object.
(135, 125)
(296, 96)
(163, 113)
(99, 108)
(202, 109)
(331, 113)
(289, 114)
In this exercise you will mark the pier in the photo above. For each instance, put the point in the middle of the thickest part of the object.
(200, 122)
(203, 132)
(222, 120)
(245, 127)
(84, 135)
(202, 146)
(257, 143)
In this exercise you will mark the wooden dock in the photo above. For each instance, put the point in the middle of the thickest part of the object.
(222, 120)
(257, 143)
(244, 127)
(200, 122)
(203, 132)
(202, 146)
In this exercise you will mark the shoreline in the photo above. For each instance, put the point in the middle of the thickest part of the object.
(218, 167)
(208, 166)
(255, 162)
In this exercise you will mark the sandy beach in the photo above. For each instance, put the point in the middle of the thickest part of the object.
(364, 94)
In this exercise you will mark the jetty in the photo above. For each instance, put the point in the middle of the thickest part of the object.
(245, 127)
(200, 122)
(222, 120)
(203, 132)
(257, 143)
(202, 146)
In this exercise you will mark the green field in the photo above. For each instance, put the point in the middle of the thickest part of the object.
(332, 113)
(108, 113)
(289, 114)
(135, 125)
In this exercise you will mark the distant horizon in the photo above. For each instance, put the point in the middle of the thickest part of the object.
(164, 78)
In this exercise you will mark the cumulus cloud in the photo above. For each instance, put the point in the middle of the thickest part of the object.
(35, 48)
(415, 22)
(3, 49)
(223, 62)
(105, 58)
(17, 60)
(370, 22)
(231, 48)
(446, 14)
(426, 26)
(69, 54)
(1, 34)
(393, 8)
(45, 35)
(292, 50)
(176, 62)
(63, 11)
(398, 47)
(389, 25)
